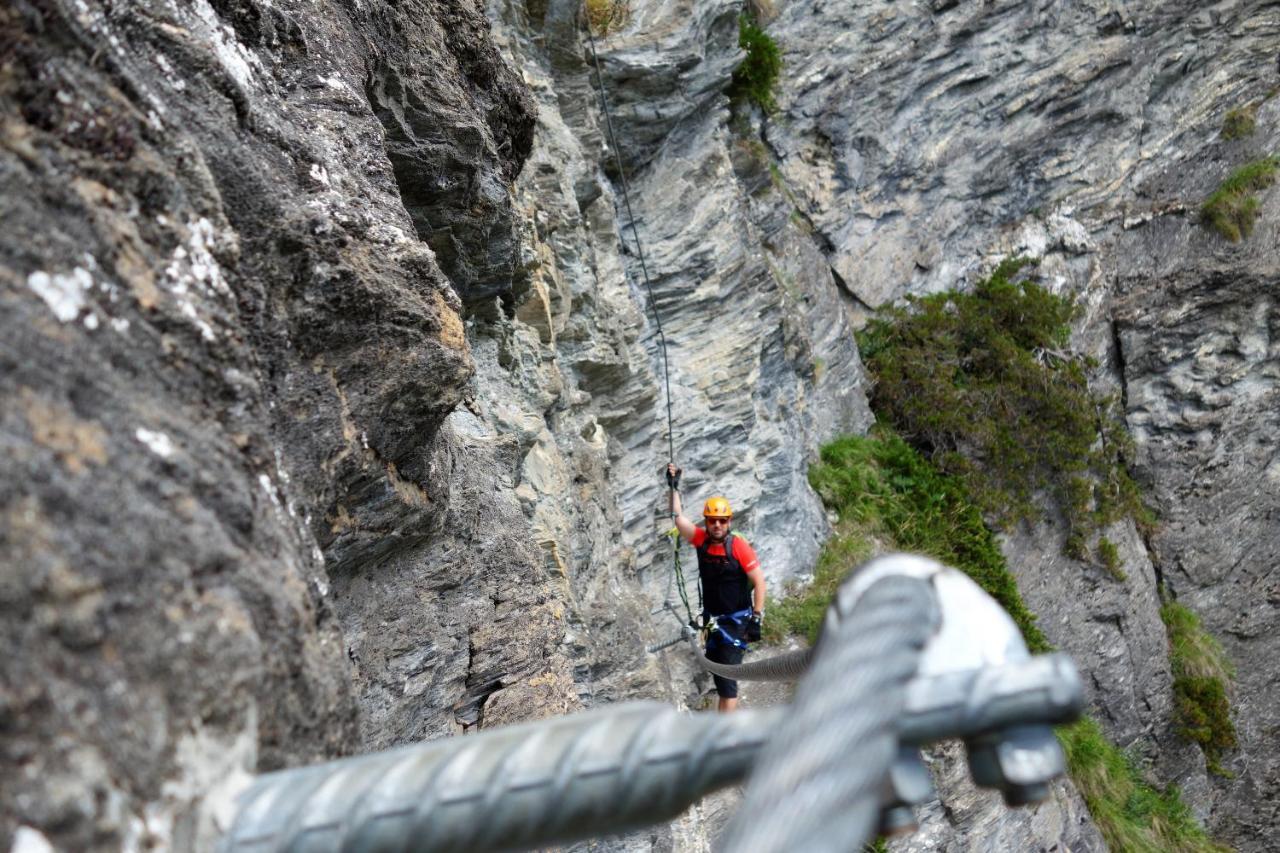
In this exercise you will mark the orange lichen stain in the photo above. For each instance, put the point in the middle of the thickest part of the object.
(77, 443)
(340, 520)
(119, 230)
(409, 492)
(452, 332)
(134, 271)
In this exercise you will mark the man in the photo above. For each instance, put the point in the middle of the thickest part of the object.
(732, 584)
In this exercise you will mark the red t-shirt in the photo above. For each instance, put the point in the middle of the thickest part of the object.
(742, 552)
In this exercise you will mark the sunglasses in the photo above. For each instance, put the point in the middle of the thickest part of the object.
(716, 520)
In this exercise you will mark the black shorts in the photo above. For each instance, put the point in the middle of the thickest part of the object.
(719, 650)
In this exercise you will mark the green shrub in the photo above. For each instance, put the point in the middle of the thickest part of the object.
(1110, 556)
(1201, 673)
(883, 489)
(607, 16)
(1133, 816)
(1240, 122)
(756, 77)
(982, 382)
(1232, 209)
(886, 493)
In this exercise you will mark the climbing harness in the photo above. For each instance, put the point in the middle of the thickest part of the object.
(676, 568)
(716, 631)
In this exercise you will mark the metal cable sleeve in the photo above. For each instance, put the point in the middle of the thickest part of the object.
(788, 667)
(538, 784)
(818, 783)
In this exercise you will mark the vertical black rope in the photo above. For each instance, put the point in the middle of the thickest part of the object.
(653, 305)
(635, 235)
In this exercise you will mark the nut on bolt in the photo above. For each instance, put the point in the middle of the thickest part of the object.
(1020, 761)
(908, 785)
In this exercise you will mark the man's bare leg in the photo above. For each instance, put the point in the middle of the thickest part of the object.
(727, 705)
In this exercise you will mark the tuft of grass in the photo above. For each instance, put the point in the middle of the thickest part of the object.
(1110, 556)
(758, 74)
(799, 613)
(982, 382)
(1240, 122)
(888, 494)
(607, 16)
(1133, 816)
(1201, 673)
(1233, 209)
(884, 490)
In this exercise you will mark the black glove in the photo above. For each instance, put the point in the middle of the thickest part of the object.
(753, 627)
(673, 480)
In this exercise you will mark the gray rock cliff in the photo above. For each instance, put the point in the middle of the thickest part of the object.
(334, 407)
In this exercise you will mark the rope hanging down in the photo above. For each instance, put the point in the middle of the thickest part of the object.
(653, 307)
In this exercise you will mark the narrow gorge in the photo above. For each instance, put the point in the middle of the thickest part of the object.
(333, 407)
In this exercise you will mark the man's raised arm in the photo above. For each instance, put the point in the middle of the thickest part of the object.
(683, 524)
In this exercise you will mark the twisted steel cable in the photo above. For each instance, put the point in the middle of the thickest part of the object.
(619, 768)
(818, 781)
(541, 783)
(785, 667)
(653, 306)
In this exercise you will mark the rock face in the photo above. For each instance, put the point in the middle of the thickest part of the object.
(228, 363)
(334, 400)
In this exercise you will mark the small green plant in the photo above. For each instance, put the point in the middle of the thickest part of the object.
(983, 383)
(884, 490)
(607, 16)
(1233, 209)
(1132, 815)
(757, 76)
(1201, 673)
(1110, 556)
(799, 613)
(1240, 122)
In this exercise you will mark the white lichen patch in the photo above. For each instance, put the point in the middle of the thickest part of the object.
(320, 174)
(157, 442)
(194, 271)
(238, 60)
(64, 293)
(211, 768)
(170, 75)
(28, 840)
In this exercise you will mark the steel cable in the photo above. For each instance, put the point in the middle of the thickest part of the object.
(786, 667)
(524, 786)
(653, 304)
(619, 768)
(818, 782)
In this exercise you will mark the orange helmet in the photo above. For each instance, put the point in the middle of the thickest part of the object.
(717, 507)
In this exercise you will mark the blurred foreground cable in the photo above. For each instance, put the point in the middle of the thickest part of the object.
(818, 784)
(548, 782)
(614, 769)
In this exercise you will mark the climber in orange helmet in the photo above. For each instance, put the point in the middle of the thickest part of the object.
(733, 586)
